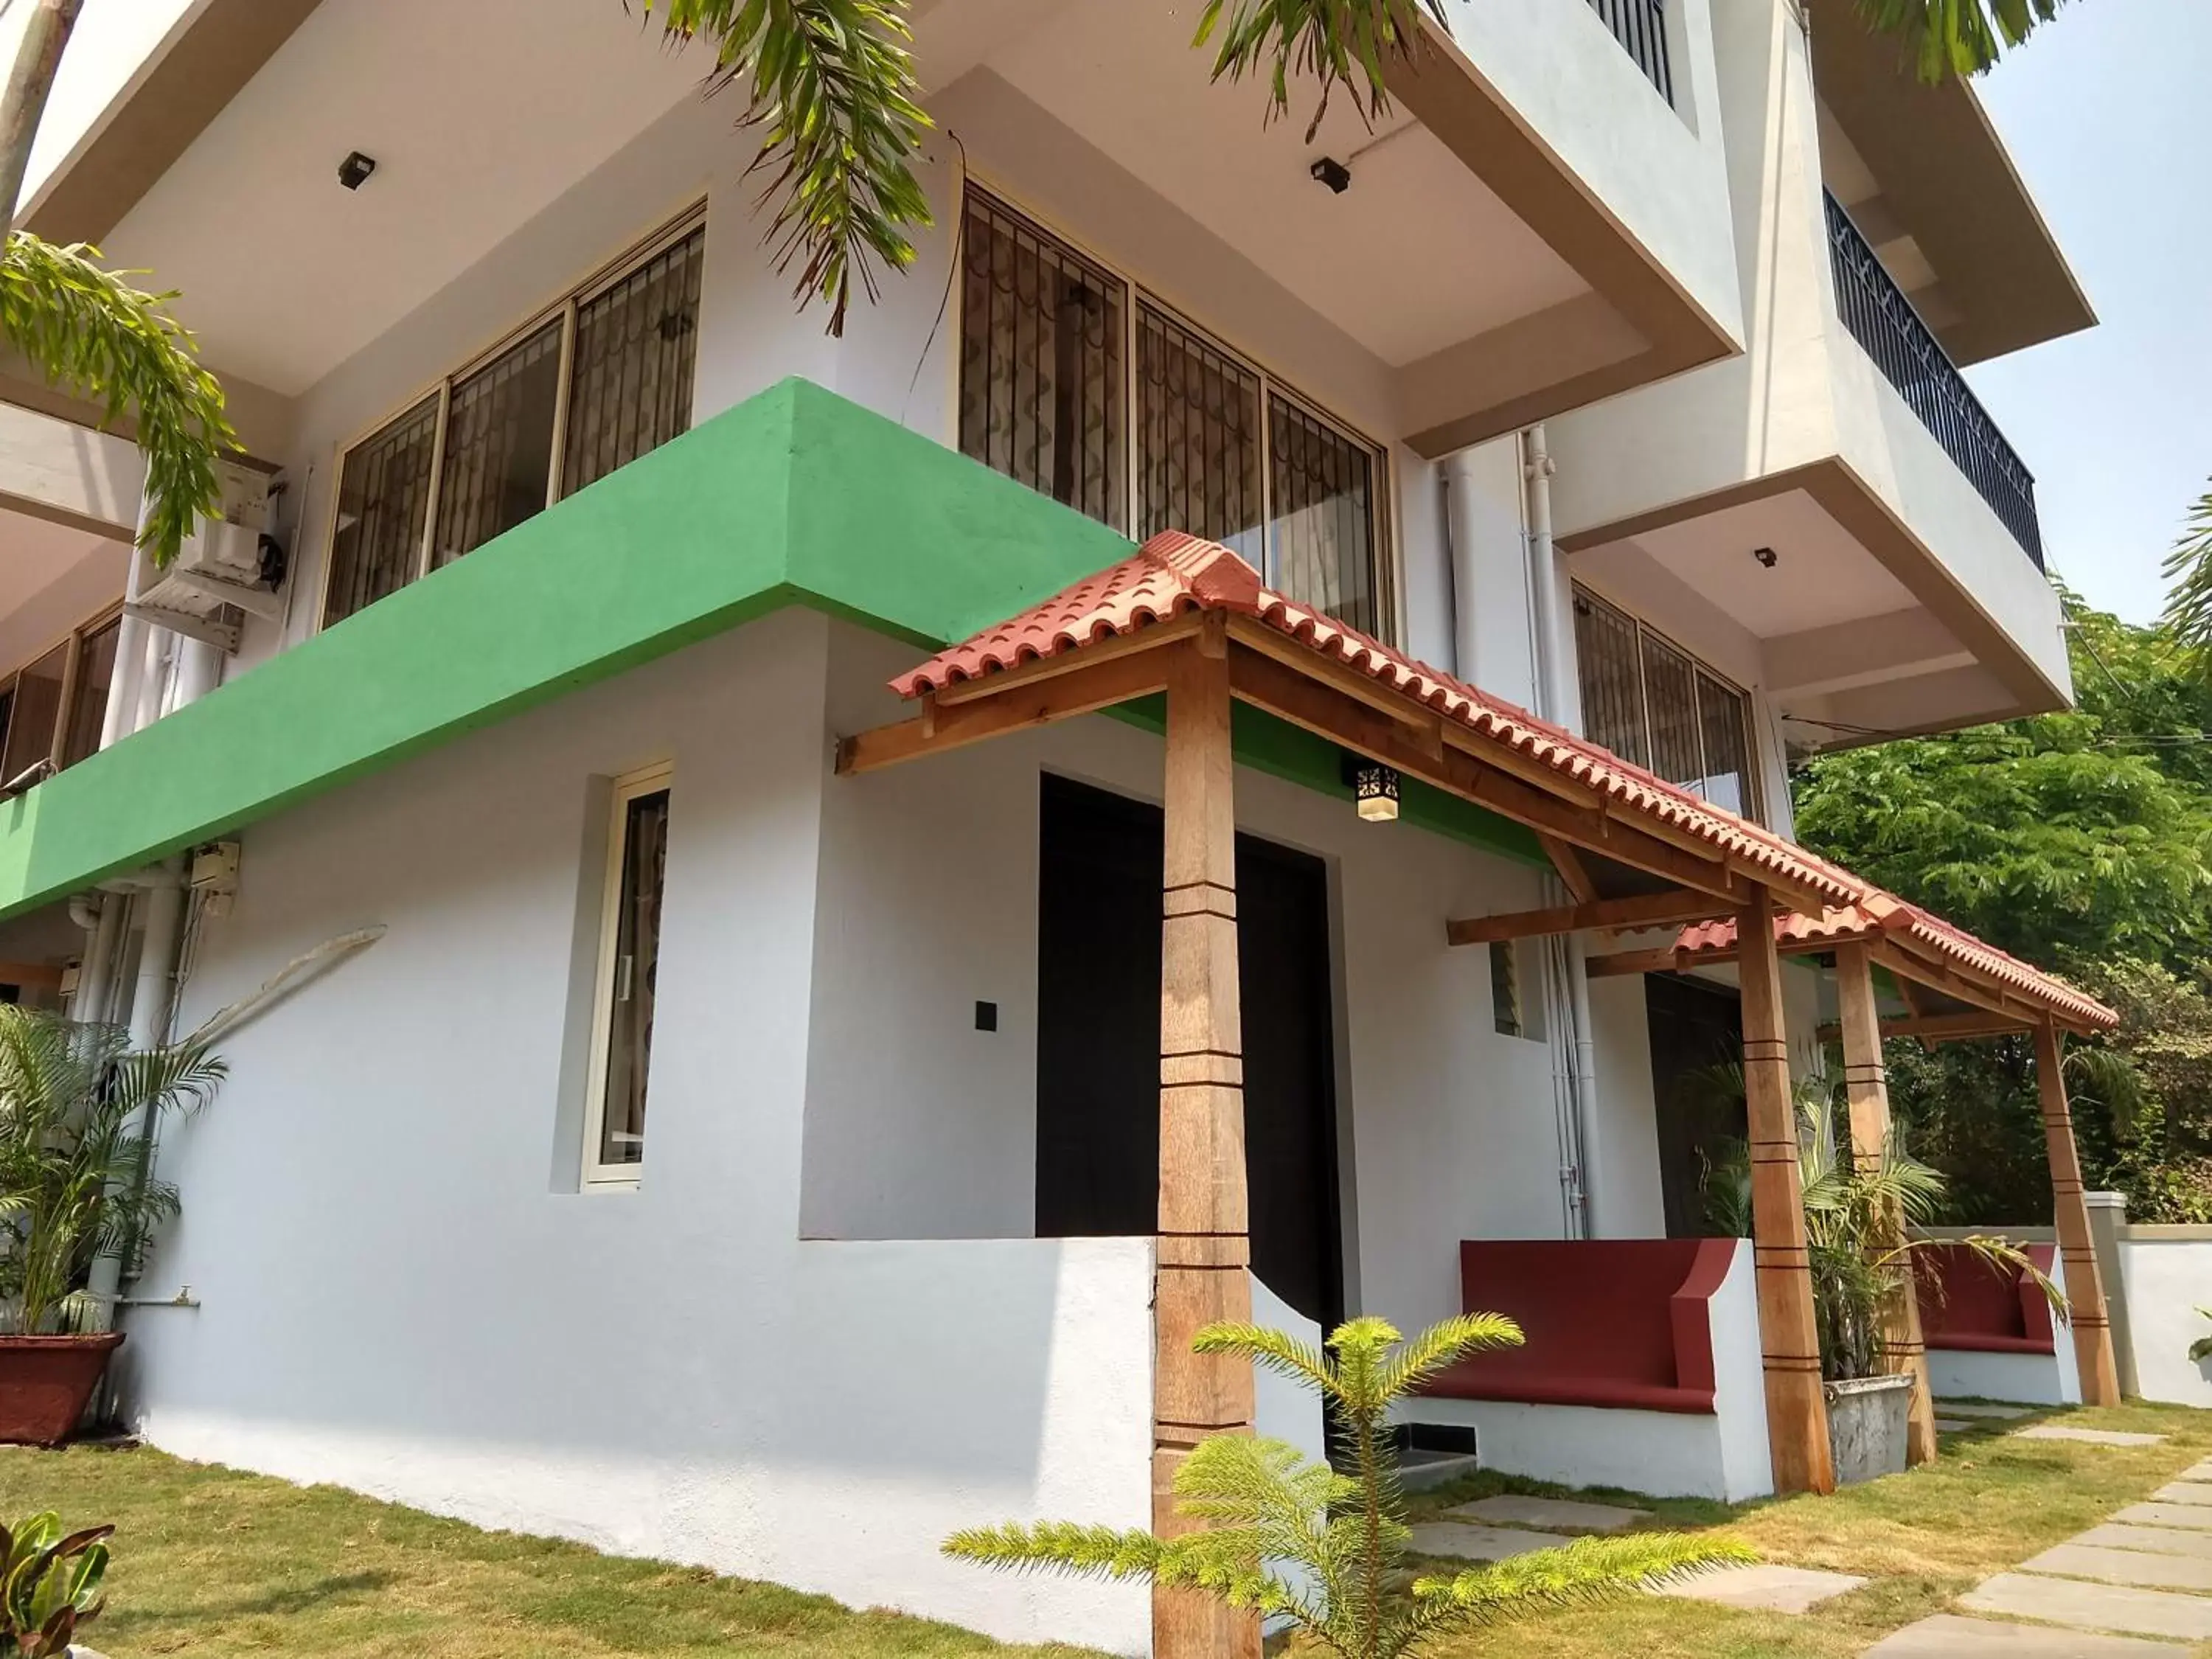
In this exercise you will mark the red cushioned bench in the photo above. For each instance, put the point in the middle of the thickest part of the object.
(1970, 1304)
(1623, 1323)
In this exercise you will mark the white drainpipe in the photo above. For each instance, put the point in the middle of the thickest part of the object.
(1462, 531)
(1570, 956)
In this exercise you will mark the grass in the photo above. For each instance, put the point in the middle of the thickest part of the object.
(213, 1563)
(1925, 1537)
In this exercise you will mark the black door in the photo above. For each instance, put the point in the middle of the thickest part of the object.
(1694, 1027)
(1098, 1040)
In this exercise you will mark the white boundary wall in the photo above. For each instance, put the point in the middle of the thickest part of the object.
(1662, 1454)
(2166, 1276)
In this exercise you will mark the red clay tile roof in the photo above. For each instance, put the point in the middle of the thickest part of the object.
(1175, 575)
(1883, 916)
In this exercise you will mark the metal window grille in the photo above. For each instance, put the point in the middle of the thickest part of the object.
(631, 996)
(499, 446)
(1651, 703)
(1322, 525)
(1505, 990)
(636, 355)
(1910, 358)
(1043, 363)
(1197, 438)
(1640, 26)
(384, 498)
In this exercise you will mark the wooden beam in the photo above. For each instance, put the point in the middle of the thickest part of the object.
(1069, 662)
(2085, 1289)
(1866, 1084)
(1943, 1028)
(940, 728)
(1644, 910)
(1204, 1251)
(1290, 695)
(1574, 874)
(1797, 1409)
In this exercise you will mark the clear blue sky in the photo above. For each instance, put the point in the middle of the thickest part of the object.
(2108, 114)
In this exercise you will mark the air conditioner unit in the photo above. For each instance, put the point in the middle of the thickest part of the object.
(219, 564)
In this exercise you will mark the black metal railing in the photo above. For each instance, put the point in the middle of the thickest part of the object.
(1640, 26)
(1909, 357)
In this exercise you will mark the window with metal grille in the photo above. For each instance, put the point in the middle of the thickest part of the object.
(636, 349)
(1060, 358)
(90, 685)
(51, 709)
(499, 446)
(1321, 530)
(1649, 702)
(383, 500)
(586, 388)
(627, 978)
(1041, 363)
(1197, 438)
(1504, 989)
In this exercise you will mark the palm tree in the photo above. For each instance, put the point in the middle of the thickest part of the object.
(2188, 615)
(95, 333)
(831, 87)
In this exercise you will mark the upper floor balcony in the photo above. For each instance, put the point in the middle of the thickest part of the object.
(1836, 505)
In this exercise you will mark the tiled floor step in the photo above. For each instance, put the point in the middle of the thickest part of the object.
(2094, 1607)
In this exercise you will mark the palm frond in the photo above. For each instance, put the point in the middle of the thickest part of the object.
(1275, 1351)
(1440, 1345)
(831, 86)
(2188, 572)
(91, 331)
(1059, 1546)
(1959, 38)
(1588, 1570)
(1336, 42)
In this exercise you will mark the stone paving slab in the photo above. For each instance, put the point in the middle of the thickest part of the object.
(1458, 1541)
(2152, 1540)
(1763, 1589)
(1947, 1636)
(2202, 1472)
(2122, 1566)
(2187, 1518)
(1967, 1408)
(2094, 1606)
(1559, 1513)
(2087, 1437)
(2184, 1492)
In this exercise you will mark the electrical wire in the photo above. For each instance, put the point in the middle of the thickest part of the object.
(952, 270)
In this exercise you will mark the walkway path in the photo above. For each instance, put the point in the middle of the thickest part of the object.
(2131, 1588)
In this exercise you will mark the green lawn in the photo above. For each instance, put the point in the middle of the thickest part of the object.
(213, 1563)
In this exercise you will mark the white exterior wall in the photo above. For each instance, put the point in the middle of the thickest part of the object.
(404, 1292)
(2166, 1277)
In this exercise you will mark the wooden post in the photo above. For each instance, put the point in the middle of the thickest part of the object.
(1797, 1409)
(1866, 1081)
(2085, 1289)
(1205, 1247)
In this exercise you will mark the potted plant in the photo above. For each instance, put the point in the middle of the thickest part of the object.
(49, 1587)
(1859, 1244)
(78, 1111)
(1322, 1549)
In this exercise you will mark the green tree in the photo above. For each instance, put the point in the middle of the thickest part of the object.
(830, 86)
(94, 333)
(1264, 1507)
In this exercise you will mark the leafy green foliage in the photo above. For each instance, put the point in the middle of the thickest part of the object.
(2188, 572)
(1858, 1221)
(49, 1585)
(1337, 43)
(1957, 37)
(2081, 841)
(78, 1108)
(1264, 1507)
(89, 330)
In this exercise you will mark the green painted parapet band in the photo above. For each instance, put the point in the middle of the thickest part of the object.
(797, 496)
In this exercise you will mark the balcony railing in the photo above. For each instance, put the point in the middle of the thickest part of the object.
(1640, 26)
(1884, 322)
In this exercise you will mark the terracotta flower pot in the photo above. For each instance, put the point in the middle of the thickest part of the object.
(46, 1382)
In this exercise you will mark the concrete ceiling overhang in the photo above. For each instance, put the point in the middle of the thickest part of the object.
(2006, 281)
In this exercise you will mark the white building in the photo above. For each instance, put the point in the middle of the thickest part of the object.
(587, 550)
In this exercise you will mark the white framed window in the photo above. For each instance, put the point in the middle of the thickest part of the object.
(1650, 702)
(1077, 382)
(625, 983)
(583, 387)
